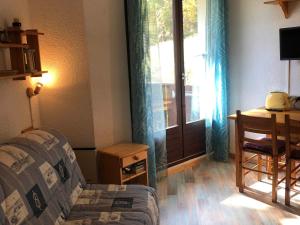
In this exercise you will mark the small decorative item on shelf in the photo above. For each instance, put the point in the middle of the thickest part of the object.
(29, 58)
(136, 168)
(127, 170)
(4, 36)
(16, 23)
(23, 51)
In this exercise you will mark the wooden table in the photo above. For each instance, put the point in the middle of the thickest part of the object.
(262, 112)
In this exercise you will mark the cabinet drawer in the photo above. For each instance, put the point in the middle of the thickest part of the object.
(134, 158)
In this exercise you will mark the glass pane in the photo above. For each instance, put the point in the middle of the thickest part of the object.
(160, 16)
(194, 14)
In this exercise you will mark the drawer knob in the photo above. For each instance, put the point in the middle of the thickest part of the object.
(135, 157)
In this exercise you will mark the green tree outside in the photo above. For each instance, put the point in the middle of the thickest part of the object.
(160, 15)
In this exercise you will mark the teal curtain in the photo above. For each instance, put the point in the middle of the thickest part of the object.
(148, 125)
(217, 72)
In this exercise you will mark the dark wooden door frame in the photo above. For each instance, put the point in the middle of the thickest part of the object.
(183, 128)
(179, 55)
(175, 134)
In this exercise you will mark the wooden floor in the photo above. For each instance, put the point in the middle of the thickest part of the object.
(206, 194)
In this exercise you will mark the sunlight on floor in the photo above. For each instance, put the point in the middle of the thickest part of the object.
(262, 187)
(293, 221)
(266, 187)
(239, 200)
(199, 202)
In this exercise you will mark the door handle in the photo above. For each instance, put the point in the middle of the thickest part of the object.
(183, 76)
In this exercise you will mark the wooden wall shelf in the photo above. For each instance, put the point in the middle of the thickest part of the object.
(23, 75)
(24, 32)
(24, 54)
(284, 4)
(13, 45)
(37, 74)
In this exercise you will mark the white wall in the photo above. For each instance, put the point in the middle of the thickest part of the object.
(255, 67)
(84, 50)
(14, 106)
(66, 103)
(106, 41)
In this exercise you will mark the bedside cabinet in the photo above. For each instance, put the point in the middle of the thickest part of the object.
(123, 164)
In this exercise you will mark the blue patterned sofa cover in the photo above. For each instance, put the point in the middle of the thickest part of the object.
(41, 184)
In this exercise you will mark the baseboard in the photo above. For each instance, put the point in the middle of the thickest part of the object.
(180, 161)
(187, 164)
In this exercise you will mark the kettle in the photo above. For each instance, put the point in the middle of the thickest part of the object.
(277, 101)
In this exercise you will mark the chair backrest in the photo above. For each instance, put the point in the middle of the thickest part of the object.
(292, 134)
(256, 125)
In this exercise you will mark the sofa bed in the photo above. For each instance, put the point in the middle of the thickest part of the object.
(41, 184)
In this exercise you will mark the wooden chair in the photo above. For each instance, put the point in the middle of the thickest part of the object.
(270, 147)
(292, 155)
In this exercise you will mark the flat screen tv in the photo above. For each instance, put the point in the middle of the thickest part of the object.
(290, 43)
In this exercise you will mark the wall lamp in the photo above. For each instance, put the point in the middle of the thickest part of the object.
(30, 92)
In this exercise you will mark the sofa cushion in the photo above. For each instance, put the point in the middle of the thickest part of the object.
(41, 183)
(265, 148)
(56, 150)
(26, 195)
(40, 178)
(112, 218)
(2, 197)
(118, 198)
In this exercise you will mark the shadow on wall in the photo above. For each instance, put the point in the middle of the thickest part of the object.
(57, 102)
(293, 8)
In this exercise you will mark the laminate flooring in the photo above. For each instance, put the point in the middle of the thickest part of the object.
(206, 194)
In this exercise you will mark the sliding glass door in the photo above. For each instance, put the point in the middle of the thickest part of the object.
(177, 56)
